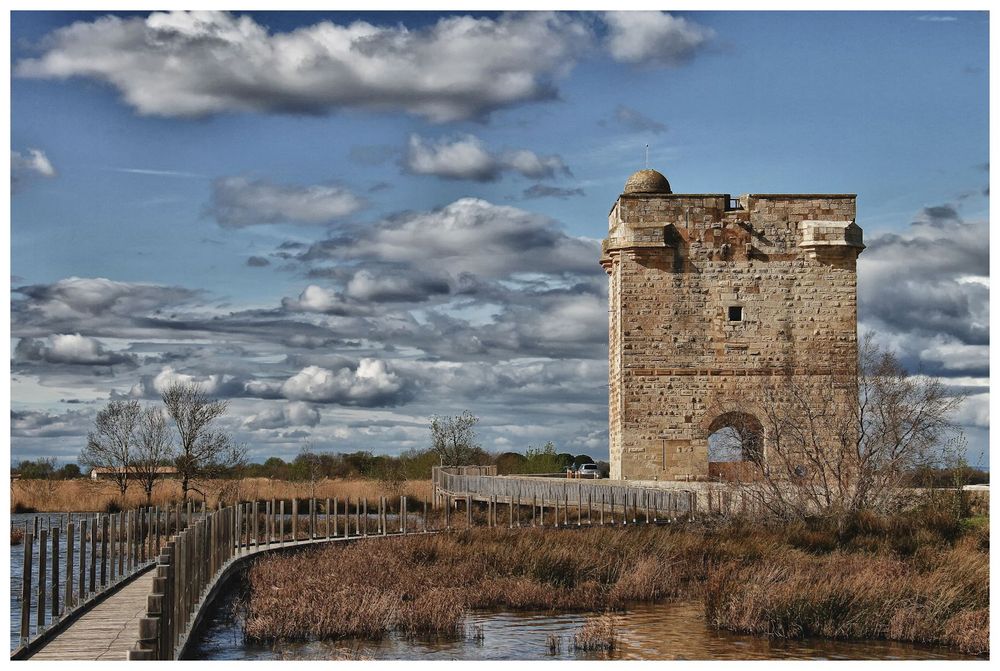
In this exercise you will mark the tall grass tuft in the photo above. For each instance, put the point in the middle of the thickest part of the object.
(598, 633)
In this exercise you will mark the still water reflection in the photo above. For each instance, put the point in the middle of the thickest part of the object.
(649, 631)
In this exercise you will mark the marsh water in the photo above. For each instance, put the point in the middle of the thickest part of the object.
(649, 631)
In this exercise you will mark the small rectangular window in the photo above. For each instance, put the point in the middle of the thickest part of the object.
(735, 313)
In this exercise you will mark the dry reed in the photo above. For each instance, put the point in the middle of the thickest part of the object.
(926, 579)
(83, 494)
(597, 633)
(16, 535)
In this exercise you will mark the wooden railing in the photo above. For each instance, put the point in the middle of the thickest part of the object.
(194, 563)
(72, 560)
(651, 502)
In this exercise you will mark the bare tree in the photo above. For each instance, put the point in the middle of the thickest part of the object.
(110, 444)
(201, 452)
(454, 439)
(308, 468)
(154, 449)
(844, 446)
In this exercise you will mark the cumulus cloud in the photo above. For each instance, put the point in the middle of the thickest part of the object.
(931, 281)
(238, 202)
(216, 384)
(469, 235)
(370, 384)
(315, 298)
(654, 38)
(72, 349)
(29, 165)
(36, 424)
(384, 287)
(637, 121)
(294, 413)
(467, 157)
(82, 301)
(190, 64)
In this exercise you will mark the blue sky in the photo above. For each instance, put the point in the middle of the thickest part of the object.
(172, 156)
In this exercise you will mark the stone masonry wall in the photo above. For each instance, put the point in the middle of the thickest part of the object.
(678, 359)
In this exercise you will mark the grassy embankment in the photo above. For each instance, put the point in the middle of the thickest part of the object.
(86, 495)
(921, 577)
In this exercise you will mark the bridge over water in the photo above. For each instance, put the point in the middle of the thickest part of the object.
(146, 577)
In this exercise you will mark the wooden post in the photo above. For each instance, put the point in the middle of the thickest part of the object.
(93, 555)
(29, 542)
(364, 514)
(579, 505)
(83, 560)
(602, 506)
(104, 552)
(402, 515)
(312, 518)
(566, 505)
(468, 510)
(357, 516)
(336, 528)
(43, 546)
(347, 517)
(55, 573)
(645, 498)
(425, 516)
(534, 508)
(326, 510)
(295, 519)
(281, 523)
(447, 513)
(70, 527)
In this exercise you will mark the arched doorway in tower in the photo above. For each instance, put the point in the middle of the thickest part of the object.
(735, 446)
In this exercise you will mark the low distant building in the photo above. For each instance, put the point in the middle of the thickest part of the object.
(108, 473)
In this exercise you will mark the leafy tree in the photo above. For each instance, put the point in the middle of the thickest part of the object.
(70, 471)
(510, 462)
(543, 460)
(453, 439)
(42, 469)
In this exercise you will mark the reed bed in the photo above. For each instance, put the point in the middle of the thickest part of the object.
(83, 494)
(921, 578)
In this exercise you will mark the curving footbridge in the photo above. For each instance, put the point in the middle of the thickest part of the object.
(146, 577)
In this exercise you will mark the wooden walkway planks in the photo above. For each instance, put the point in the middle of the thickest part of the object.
(107, 631)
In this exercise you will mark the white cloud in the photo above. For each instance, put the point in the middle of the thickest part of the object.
(370, 384)
(294, 413)
(189, 64)
(653, 38)
(31, 164)
(77, 297)
(466, 157)
(468, 236)
(238, 202)
(73, 349)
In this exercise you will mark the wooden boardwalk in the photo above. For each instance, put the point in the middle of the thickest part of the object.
(105, 632)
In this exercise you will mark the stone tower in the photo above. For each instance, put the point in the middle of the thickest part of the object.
(709, 292)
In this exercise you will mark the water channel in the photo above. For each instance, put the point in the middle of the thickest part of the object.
(665, 631)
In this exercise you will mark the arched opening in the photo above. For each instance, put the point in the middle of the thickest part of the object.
(735, 446)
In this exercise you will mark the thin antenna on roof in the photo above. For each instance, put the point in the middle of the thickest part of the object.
(647, 157)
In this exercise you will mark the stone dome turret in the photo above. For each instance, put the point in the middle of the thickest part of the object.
(647, 181)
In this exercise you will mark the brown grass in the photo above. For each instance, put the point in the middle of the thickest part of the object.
(597, 633)
(926, 580)
(16, 535)
(83, 494)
